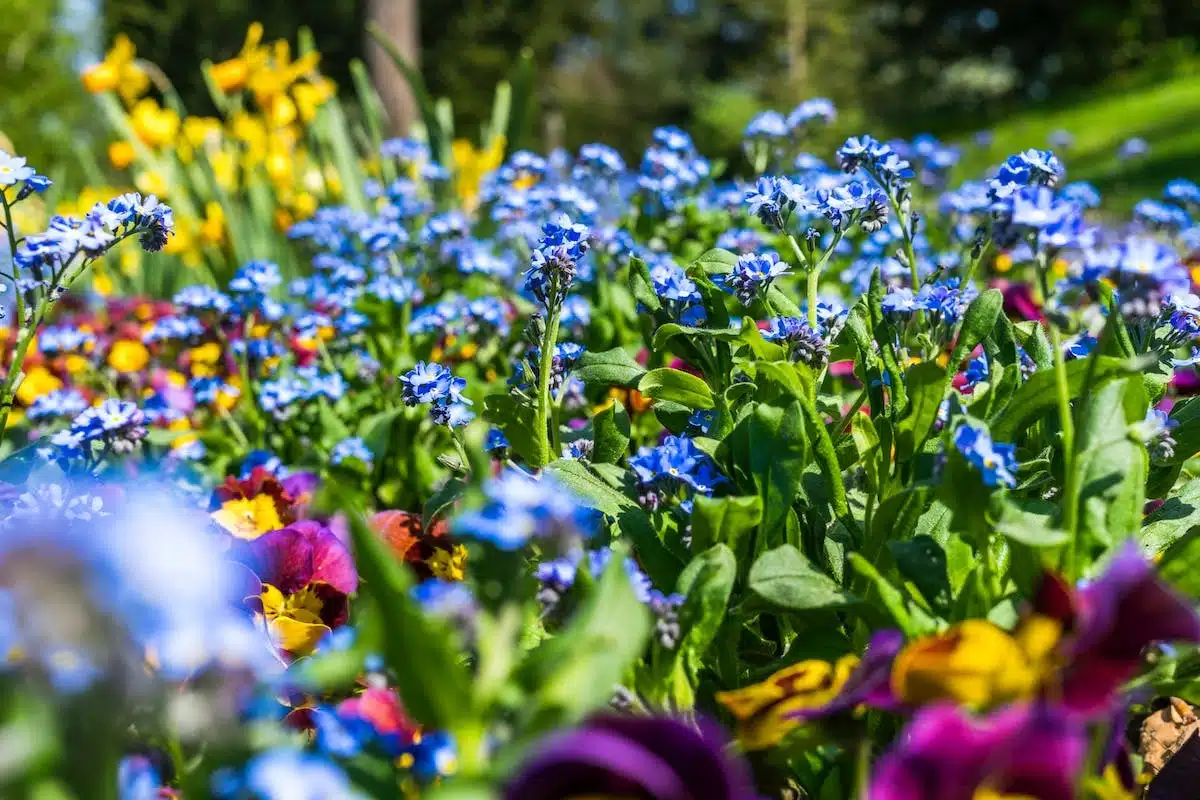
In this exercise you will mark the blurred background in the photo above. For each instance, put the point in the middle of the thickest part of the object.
(610, 70)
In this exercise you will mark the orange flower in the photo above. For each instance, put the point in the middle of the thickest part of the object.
(121, 154)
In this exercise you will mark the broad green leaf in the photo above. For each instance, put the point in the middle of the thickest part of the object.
(670, 330)
(608, 368)
(631, 520)
(866, 444)
(1038, 395)
(642, 285)
(441, 500)
(376, 431)
(922, 562)
(759, 347)
(1031, 522)
(610, 434)
(724, 520)
(1175, 518)
(925, 384)
(716, 261)
(786, 579)
(1187, 432)
(907, 617)
(511, 415)
(676, 386)
(707, 583)
(1112, 466)
(1180, 564)
(573, 673)
(430, 675)
(978, 322)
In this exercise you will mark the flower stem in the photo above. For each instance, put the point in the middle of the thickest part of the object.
(541, 418)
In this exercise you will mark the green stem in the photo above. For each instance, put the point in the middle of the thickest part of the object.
(1067, 423)
(541, 419)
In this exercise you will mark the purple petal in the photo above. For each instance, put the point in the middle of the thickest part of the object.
(870, 682)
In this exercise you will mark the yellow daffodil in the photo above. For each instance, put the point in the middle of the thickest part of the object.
(763, 709)
(151, 182)
(248, 518)
(121, 154)
(118, 71)
(470, 165)
(127, 356)
(212, 230)
(154, 125)
(311, 95)
(231, 75)
(37, 382)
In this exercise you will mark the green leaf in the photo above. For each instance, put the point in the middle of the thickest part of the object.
(670, 330)
(1038, 395)
(922, 561)
(1031, 522)
(978, 322)
(786, 579)
(907, 617)
(1175, 518)
(707, 582)
(642, 285)
(1112, 466)
(441, 500)
(759, 347)
(866, 445)
(511, 415)
(573, 673)
(333, 430)
(724, 520)
(632, 521)
(676, 386)
(716, 261)
(1187, 433)
(376, 432)
(610, 434)
(521, 78)
(430, 675)
(1180, 564)
(608, 368)
(925, 384)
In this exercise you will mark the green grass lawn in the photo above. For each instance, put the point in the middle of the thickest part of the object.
(1166, 114)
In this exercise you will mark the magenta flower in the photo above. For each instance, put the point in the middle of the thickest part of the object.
(945, 754)
(1116, 617)
(649, 757)
(307, 575)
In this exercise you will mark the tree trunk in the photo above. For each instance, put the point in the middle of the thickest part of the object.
(398, 19)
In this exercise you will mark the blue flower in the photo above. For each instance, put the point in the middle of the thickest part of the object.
(1183, 192)
(815, 109)
(555, 261)
(1037, 207)
(351, 447)
(256, 277)
(426, 382)
(677, 461)
(202, 298)
(59, 403)
(766, 125)
(996, 462)
(496, 440)
(287, 774)
(13, 169)
(519, 507)
(433, 756)
(753, 275)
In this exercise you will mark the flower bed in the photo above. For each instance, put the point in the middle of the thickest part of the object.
(473, 472)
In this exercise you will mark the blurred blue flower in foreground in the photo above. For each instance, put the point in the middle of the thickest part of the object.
(520, 507)
(94, 588)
